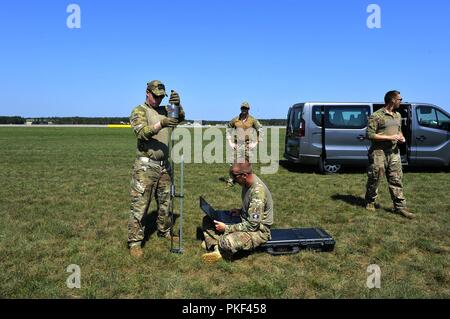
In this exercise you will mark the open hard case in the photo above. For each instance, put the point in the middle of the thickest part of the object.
(283, 241)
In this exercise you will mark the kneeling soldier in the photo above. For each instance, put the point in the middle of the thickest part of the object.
(256, 214)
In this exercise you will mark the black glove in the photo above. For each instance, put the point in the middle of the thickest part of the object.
(168, 121)
(174, 98)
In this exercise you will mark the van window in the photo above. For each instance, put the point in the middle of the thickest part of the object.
(297, 118)
(342, 116)
(289, 124)
(443, 121)
(430, 117)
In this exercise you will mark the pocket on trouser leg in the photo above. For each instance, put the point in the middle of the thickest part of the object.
(135, 230)
(138, 206)
(163, 198)
(396, 189)
(235, 242)
(137, 190)
(137, 185)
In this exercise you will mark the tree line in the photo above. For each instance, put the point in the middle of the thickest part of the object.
(264, 122)
(12, 120)
(108, 120)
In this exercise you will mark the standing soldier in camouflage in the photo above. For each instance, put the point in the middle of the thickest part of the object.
(151, 170)
(240, 136)
(256, 215)
(384, 130)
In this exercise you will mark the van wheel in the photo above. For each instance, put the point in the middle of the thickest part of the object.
(326, 168)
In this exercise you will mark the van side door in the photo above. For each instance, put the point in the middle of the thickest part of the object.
(293, 133)
(345, 133)
(431, 137)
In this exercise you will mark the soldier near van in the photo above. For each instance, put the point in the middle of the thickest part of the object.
(151, 171)
(384, 131)
(240, 135)
(256, 215)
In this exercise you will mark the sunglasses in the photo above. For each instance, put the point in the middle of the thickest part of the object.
(399, 100)
(234, 176)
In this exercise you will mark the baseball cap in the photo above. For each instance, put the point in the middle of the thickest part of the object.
(245, 104)
(157, 88)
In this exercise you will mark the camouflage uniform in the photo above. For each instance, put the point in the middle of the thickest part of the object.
(253, 231)
(243, 136)
(384, 157)
(151, 172)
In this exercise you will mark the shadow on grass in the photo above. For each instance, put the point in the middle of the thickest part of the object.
(361, 202)
(350, 199)
(297, 168)
(149, 223)
(310, 169)
(412, 169)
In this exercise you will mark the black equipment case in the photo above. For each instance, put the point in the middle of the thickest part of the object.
(283, 241)
(292, 240)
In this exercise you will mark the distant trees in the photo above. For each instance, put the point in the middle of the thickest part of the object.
(110, 120)
(12, 120)
(264, 122)
(82, 120)
(89, 120)
(274, 122)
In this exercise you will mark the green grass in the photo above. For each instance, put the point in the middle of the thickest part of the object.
(64, 199)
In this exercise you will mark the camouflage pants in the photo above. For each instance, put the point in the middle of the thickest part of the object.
(389, 164)
(243, 153)
(148, 179)
(230, 243)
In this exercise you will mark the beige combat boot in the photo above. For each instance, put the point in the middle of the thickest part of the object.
(370, 207)
(210, 258)
(405, 212)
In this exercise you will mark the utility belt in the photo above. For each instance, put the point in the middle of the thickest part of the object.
(149, 160)
(387, 151)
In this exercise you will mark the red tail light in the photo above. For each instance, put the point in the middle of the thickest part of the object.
(301, 131)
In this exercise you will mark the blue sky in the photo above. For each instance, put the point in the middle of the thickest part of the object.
(218, 53)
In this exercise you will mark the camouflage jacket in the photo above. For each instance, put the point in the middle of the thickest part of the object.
(383, 123)
(257, 208)
(150, 143)
(243, 128)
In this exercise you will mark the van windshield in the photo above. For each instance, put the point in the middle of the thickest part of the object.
(342, 116)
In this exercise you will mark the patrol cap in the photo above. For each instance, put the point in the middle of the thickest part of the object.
(157, 88)
(245, 105)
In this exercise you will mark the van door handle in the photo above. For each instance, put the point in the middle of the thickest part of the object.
(421, 138)
(361, 137)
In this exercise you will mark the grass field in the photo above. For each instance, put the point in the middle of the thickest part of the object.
(64, 199)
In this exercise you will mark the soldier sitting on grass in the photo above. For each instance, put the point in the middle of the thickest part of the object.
(256, 214)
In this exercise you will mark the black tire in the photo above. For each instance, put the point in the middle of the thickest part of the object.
(326, 168)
